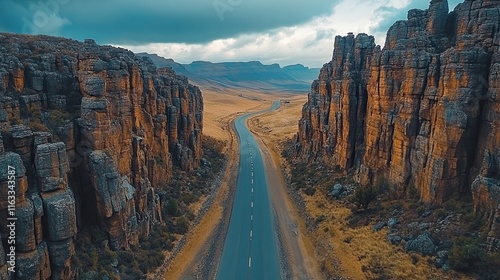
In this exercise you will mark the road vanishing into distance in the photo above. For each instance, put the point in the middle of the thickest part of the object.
(250, 248)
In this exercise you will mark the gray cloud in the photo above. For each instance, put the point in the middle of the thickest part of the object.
(137, 22)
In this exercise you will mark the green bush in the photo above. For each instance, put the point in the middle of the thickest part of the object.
(15, 120)
(182, 225)
(35, 111)
(364, 195)
(310, 191)
(172, 208)
(466, 253)
(36, 125)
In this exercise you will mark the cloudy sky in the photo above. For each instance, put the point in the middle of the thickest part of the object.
(272, 31)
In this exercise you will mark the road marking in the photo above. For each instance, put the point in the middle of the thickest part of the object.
(251, 217)
(252, 190)
(251, 233)
(249, 262)
(252, 181)
(252, 204)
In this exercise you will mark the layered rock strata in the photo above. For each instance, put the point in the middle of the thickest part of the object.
(422, 112)
(93, 133)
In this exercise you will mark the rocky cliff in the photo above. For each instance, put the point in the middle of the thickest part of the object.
(423, 112)
(93, 132)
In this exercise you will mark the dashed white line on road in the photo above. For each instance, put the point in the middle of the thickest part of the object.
(252, 190)
(249, 262)
(252, 204)
(251, 217)
(251, 233)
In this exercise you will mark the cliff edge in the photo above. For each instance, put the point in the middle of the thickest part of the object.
(422, 112)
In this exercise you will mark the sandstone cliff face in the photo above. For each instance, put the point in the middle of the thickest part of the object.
(423, 112)
(93, 132)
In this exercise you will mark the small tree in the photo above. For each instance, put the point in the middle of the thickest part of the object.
(172, 208)
(466, 253)
(364, 195)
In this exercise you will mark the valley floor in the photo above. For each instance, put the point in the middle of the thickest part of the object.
(315, 232)
(205, 241)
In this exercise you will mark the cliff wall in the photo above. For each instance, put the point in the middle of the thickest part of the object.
(93, 132)
(423, 112)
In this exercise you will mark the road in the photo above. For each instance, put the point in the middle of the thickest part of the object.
(250, 248)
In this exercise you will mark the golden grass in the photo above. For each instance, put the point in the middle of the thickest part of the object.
(220, 107)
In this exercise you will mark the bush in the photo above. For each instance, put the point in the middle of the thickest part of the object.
(15, 120)
(182, 225)
(56, 119)
(364, 195)
(172, 208)
(38, 126)
(310, 191)
(466, 253)
(35, 111)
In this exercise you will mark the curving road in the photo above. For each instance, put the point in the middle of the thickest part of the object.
(250, 248)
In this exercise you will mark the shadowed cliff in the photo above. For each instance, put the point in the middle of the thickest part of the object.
(93, 132)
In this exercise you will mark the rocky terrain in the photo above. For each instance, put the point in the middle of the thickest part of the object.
(94, 133)
(252, 75)
(421, 113)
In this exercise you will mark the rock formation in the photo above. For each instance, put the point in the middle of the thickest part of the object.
(423, 112)
(93, 132)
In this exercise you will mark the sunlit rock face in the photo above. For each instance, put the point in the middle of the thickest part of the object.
(423, 112)
(92, 131)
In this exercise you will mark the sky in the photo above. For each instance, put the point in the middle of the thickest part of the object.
(271, 31)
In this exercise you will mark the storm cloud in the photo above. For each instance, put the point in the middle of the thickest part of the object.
(272, 31)
(135, 22)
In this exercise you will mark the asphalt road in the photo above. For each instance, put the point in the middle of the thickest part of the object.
(250, 248)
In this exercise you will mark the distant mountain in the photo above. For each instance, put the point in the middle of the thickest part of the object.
(250, 75)
(302, 73)
(167, 62)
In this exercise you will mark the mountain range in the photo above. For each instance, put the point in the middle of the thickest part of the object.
(249, 75)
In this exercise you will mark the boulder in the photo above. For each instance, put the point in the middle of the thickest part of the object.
(394, 239)
(423, 244)
(392, 222)
(379, 226)
(337, 191)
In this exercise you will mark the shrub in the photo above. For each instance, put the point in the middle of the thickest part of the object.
(38, 126)
(364, 195)
(310, 191)
(35, 111)
(56, 119)
(172, 207)
(319, 219)
(15, 120)
(182, 225)
(466, 253)
(474, 221)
